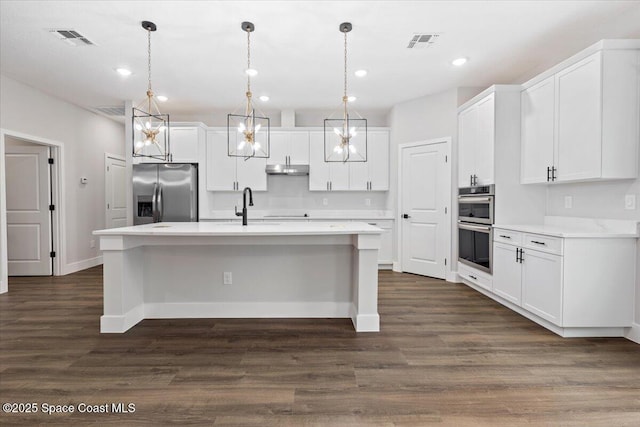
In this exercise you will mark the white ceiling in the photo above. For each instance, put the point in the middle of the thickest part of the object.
(199, 50)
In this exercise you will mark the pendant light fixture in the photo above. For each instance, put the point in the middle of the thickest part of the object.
(248, 134)
(345, 134)
(150, 127)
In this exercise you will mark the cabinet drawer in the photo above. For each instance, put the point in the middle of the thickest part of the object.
(507, 236)
(477, 277)
(543, 243)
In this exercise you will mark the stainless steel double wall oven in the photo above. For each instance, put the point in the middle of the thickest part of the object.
(475, 226)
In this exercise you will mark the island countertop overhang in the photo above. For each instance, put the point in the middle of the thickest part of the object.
(232, 229)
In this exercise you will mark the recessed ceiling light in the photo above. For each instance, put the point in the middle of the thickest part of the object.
(264, 98)
(460, 61)
(123, 71)
(360, 73)
(162, 98)
(251, 72)
(351, 98)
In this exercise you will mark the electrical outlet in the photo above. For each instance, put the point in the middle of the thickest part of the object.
(227, 278)
(325, 201)
(367, 202)
(630, 201)
(568, 202)
(92, 243)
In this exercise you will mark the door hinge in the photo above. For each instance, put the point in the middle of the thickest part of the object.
(445, 209)
(50, 160)
(52, 254)
(107, 168)
(107, 205)
(445, 261)
(446, 159)
(52, 207)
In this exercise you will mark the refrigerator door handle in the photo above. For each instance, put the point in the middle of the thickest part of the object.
(154, 203)
(160, 204)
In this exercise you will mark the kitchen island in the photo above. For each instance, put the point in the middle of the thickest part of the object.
(226, 270)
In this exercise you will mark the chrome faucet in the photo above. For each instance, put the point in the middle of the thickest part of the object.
(243, 214)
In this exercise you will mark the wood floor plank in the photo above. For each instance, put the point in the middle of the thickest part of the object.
(446, 355)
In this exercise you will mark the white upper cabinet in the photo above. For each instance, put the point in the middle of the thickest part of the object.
(226, 173)
(372, 175)
(581, 123)
(289, 147)
(325, 176)
(538, 106)
(476, 135)
(184, 143)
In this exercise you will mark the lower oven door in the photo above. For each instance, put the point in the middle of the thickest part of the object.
(475, 245)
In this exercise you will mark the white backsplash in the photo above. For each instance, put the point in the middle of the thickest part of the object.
(291, 194)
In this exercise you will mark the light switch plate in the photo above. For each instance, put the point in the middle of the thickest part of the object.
(630, 201)
(568, 202)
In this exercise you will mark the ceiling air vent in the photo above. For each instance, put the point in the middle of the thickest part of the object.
(111, 111)
(72, 37)
(420, 41)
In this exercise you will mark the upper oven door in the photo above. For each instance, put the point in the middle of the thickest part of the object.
(478, 209)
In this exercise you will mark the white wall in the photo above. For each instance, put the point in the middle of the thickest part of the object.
(421, 119)
(86, 137)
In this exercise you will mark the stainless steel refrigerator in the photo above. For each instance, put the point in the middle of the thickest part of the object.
(165, 192)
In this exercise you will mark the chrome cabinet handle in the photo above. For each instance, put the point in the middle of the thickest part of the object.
(160, 204)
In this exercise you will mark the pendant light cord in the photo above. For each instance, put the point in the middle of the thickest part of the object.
(345, 98)
(149, 91)
(248, 60)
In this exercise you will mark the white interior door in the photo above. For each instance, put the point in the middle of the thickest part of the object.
(424, 192)
(116, 192)
(28, 215)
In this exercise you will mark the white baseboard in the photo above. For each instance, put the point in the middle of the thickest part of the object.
(396, 267)
(386, 266)
(81, 265)
(452, 276)
(4, 288)
(633, 333)
(120, 324)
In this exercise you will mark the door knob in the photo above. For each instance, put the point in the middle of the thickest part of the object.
(405, 216)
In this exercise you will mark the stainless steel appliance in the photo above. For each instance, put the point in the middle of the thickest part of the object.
(475, 204)
(165, 192)
(475, 226)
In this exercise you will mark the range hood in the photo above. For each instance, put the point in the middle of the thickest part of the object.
(293, 170)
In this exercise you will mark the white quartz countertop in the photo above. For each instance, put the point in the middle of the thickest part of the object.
(569, 231)
(268, 215)
(235, 229)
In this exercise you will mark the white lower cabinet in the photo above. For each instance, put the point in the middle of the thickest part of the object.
(507, 273)
(542, 285)
(385, 253)
(530, 279)
(582, 285)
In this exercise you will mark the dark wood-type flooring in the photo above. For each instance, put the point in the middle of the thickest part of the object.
(446, 355)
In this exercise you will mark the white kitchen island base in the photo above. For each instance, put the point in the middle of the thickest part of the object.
(176, 270)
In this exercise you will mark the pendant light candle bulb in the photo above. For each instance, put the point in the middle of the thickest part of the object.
(251, 72)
